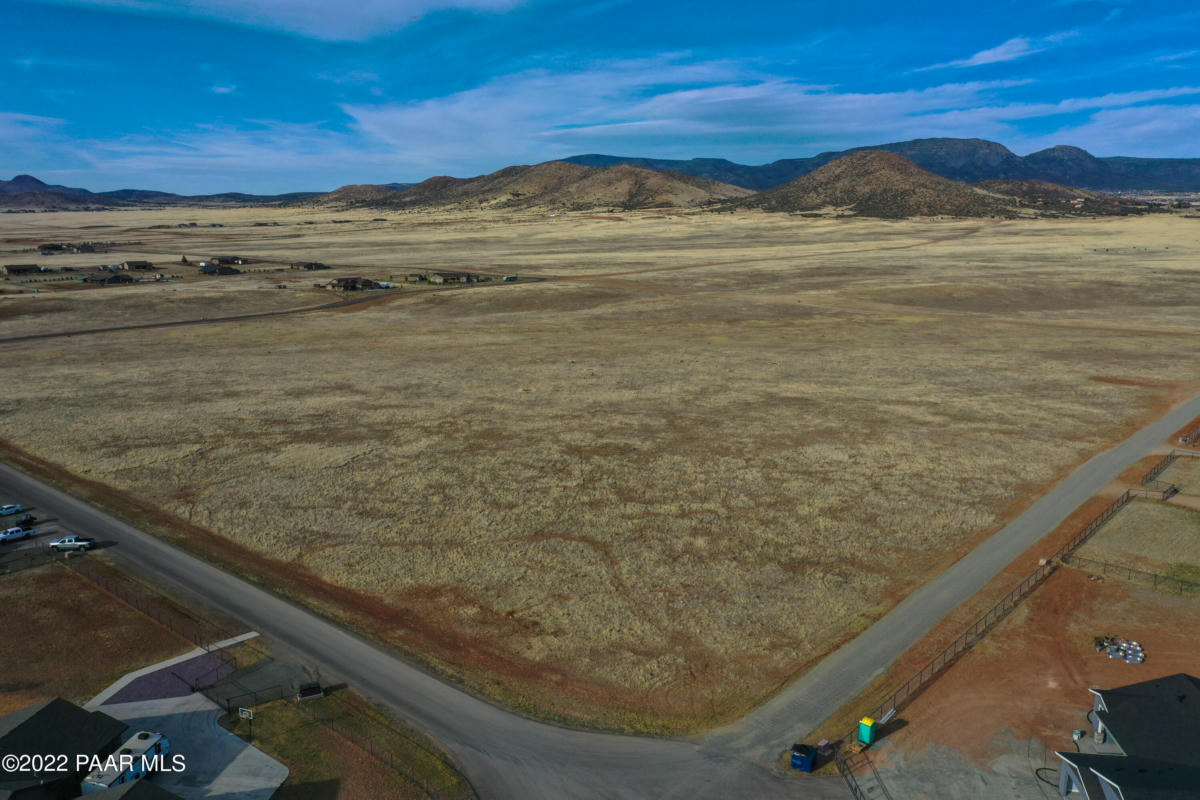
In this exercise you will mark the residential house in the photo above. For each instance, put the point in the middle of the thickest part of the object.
(216, 269)
(452, 277)
(108, 279)
(1145, 745)
(309, 265)
(228, 260)
(351, 284)
(54, 726)
(20, 269)
(136, 265)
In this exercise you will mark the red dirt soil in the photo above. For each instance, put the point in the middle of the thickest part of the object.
(1035, 668)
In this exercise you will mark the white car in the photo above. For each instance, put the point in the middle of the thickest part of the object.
(12, 534)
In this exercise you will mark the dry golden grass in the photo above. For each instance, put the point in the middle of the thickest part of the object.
(711, 450)
(1149, 535)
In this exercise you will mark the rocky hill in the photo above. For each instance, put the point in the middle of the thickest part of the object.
(552, 185)
(1045, 196)
(875, 183)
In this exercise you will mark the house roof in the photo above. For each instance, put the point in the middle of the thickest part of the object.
(54, 726)
(1156, 724)
(1158, 719)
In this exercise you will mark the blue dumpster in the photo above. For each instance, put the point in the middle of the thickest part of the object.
(803, 757)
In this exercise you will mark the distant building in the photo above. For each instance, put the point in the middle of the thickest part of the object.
(108, 279)
(1146, 744)
(136, 265)
(453, 277)
(53, 726)
(414, 277)
(212, 268)
(351, 284)
(310, 265)
(20, 269)
(84, 248)
(228, 260)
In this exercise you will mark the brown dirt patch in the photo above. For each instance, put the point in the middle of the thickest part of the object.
(53, 613)
(1032, 673)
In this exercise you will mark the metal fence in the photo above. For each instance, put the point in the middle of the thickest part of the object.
(1191, 436)
(1154, 579)
(24, 559)
(861, 763)
(252, 699)
(1159, 468)
(167, 616)
(982, 625)
(351, 732)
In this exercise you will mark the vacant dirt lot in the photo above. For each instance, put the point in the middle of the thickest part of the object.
(1001, 711)
(646, 492)
(53, 613)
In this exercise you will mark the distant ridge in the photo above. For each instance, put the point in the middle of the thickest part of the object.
(876, 183)
(968, 160)
(27, 192)
(551, 185)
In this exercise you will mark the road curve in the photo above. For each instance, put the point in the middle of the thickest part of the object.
(506, 755)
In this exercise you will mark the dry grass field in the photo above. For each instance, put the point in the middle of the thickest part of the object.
(647, 492)
(1150, 536)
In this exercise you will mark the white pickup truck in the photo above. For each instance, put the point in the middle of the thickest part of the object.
(12, 534)
(77, 543)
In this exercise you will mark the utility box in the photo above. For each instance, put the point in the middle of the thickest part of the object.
(866, 730)
(803, 757)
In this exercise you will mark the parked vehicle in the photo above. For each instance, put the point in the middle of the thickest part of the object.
(142, 753)
(76, 543)
(12, 534)
(10, 509)
(25, 519)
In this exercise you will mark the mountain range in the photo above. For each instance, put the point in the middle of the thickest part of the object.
(599, 181)
(969, 160)
(26, 191)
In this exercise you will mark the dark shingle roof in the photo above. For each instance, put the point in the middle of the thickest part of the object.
(54, 727)
(1156, 724)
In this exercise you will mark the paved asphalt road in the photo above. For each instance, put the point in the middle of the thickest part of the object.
(506, 755)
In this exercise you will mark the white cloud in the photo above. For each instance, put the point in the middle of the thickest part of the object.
(1178, 56)
(230, 89)
(1160, 131)
(651, 107)
(1011, 50)
(335, 20)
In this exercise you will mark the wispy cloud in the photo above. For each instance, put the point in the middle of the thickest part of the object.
(227, 89)
(1177, 56)
(320, 19)
(1011, 50)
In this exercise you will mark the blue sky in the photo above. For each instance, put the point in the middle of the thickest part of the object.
(282, 95)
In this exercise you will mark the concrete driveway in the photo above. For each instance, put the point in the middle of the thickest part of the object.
(217, 763)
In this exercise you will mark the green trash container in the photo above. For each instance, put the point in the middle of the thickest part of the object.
(866, 730)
